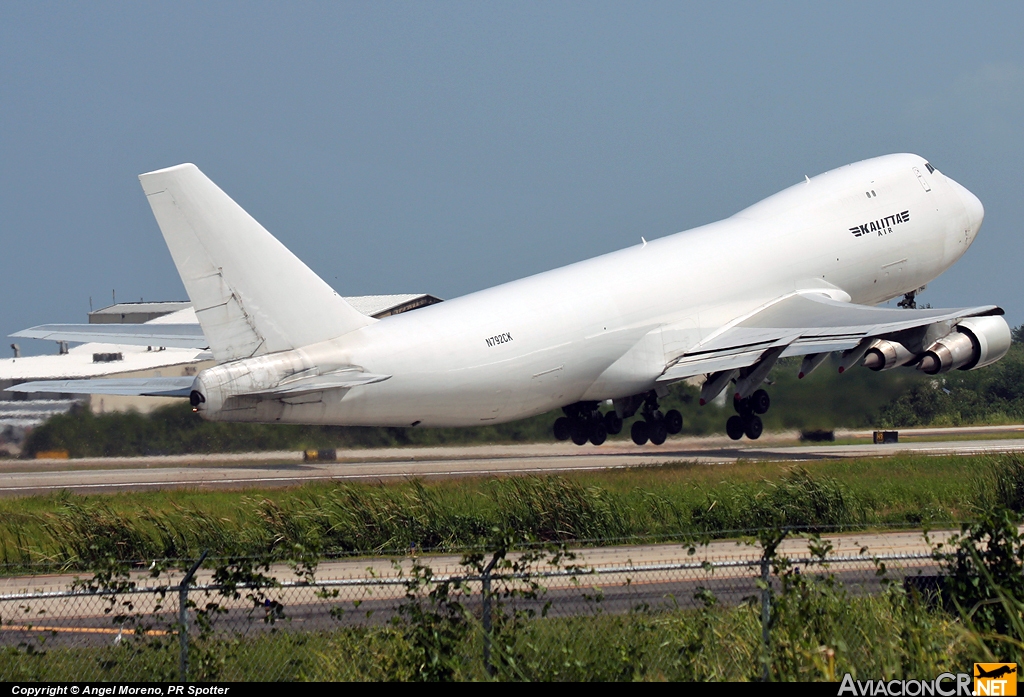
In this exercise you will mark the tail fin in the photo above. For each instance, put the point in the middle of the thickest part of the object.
(251, 295)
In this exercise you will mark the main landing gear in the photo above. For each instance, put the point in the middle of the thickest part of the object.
(747, 422)
(655, 427)
(583, 422)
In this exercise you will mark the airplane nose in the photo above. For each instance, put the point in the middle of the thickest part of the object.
(972, 205)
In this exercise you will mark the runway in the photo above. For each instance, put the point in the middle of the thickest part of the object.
(278, 469)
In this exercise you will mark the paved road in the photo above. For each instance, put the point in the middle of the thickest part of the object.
(94, 475)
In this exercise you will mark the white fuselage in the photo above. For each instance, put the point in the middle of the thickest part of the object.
(607, 327)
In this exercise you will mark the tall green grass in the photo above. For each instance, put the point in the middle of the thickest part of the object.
(872, 637)
(669, 503)
(816, 630)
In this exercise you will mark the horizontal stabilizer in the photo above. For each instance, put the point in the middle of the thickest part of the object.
(318, 383)
(132, 387)
(167, 335)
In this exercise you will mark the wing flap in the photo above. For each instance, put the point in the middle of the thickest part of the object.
(712, 364)
(715, 360)
(134, 387)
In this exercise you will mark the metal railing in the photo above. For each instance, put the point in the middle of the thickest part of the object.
(243, 622)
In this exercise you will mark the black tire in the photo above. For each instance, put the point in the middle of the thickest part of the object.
(734, 427)
(580, 432)
(673, 421)
(598, 434)
(612, 423)
(753, 427)
(640, 432)
(561, 428)
(742, 406)
(657, 416)
(760, 402)
(658, 432)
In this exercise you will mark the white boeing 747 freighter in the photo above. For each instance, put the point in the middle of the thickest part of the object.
(797, 274)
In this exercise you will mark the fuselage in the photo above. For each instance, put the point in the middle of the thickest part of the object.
(607, 327)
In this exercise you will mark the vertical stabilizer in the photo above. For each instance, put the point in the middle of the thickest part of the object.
(251, 295)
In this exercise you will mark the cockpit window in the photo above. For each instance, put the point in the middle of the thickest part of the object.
(931, 170)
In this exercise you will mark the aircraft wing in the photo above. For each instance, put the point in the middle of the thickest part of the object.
(803, 324)
(136, 387)
(149, 334)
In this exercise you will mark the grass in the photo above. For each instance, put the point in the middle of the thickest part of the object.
(818, 630)
(885, 635)
(671, 501)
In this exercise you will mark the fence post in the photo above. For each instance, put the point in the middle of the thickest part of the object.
(183, 617)
(766, 600)
(485, 578)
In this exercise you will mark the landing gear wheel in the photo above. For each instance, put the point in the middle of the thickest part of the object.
(742, 406)
(673, 421)
(752, 427)
(612, 423)
(640, 432)
(598, 434)
(734, 427)
(760, 402)
(562, 431)
(579, 432)
(658, 432)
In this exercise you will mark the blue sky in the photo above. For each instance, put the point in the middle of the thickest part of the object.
(446, 147)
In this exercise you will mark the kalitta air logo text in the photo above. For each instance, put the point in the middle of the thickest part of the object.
(995, 678)
(883, 226)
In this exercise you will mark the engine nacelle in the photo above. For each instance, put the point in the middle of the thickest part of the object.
(975, 343)
(886, 355)
(214, 388)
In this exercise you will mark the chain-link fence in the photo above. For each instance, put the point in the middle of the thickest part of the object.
(780, 608)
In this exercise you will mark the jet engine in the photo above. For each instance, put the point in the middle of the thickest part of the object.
(885, 355)
(974, 343)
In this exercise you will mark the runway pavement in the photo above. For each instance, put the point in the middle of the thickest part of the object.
(277, 469)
